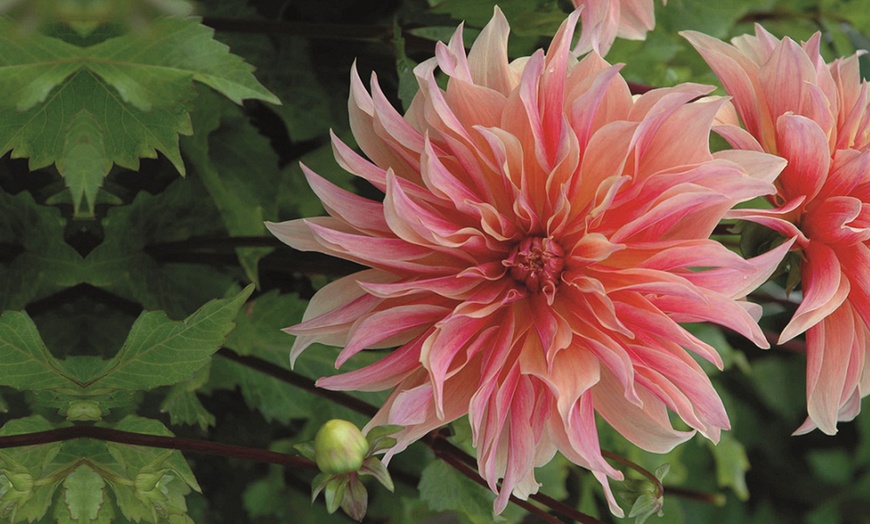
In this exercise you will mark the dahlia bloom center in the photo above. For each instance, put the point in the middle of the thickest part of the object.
(537, 262)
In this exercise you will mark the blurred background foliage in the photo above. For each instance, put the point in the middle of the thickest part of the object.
(104, 249)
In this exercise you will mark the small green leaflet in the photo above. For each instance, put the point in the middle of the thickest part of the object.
(47, 263)
(238, 168)
(445, 489)
(83, 493)
(85, 108)
(184, 406)
(180, 212)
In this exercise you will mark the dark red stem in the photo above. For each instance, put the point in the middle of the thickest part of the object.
(155, 441)
(295, 379)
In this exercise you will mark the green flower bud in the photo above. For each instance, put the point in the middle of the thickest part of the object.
(340, 447)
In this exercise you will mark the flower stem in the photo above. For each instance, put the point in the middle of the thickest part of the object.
(660, 490)
(716, 499)
(155, 441)
(202, 251)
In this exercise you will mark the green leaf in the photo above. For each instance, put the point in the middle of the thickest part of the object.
(238, 168)
(731, 464)
(122, 130)
(47, 263)
(160, 352)
(775, 381)
(275, 400)
(114, 102)
(25, 362)
(444, 489)
(122, 265)
(296, 196)
(527, 17)
(834, 466)
(146, 67)
(157, 480)
(186, 408)
(286, 66)
(258, 333)
(374, 467)
(644, 507)
(355, 499)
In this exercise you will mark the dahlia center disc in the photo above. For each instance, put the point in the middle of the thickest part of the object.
(537, 262)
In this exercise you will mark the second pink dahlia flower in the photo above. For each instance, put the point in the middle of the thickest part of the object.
(602, 21)
(541, 236)
(816, 116)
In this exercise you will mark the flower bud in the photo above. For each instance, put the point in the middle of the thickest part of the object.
(339, 447)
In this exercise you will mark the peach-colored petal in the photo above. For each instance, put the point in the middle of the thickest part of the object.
(604, 20)
(804, 144)
(646, 425)
(738, 74)
(829, 345)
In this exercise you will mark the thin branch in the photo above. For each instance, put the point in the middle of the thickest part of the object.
(286, 260)
(295, 379)
(353, 32)
(660, 490)
(156, 441)
(716, 499)
(186, 246)
(319, 31)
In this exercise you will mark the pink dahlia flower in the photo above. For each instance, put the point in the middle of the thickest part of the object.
(815, 115)
(541, 236)
(602, 21)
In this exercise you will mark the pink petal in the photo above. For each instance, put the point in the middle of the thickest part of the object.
(377, 329)
(738, 75)
(383, 374)
(681, 383)
(488, 59)
(803, 143)
(647, 425)
(364, 214)
(829, 348)
(788, 73)
(361, 110)
(737, 137)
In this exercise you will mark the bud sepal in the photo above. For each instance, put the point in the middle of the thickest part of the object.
(343, 455)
